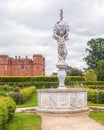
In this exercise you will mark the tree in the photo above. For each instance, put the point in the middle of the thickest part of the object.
(90, 75)
(54, 74)
(95, 52)
(73, 71)
(100, 70)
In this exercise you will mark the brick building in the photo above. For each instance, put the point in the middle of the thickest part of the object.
(22, 66)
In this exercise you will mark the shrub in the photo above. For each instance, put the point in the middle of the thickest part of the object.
(16, 97)
(101, 96)
(6, 87)
(20, 96)
(26, 93)
(2, 92)
(92, 95)
(7, 109)
(90, 75)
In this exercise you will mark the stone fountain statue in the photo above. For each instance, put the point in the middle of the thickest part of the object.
(60, 34)
(61, 100)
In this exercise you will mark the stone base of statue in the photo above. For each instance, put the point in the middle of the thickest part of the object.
(62, 101)
(61, 74)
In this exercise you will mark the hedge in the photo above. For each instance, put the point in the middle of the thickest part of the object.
(7, 110)
(38, 78)
(92, 95)
(23, 95)
(95, 97)
(47, 81)
(26, 93)
(101, 97)
(28, 78)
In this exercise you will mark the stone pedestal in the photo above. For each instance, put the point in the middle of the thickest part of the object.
(61, 74)
(62, 101)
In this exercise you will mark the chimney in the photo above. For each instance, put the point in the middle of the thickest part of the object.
(26, 57)
(16, 57)
(19, 57)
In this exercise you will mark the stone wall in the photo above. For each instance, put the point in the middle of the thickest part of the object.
(22, 66)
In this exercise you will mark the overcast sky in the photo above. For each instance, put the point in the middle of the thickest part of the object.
(26, 28)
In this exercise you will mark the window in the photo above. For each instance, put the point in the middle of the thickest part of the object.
(22, 67)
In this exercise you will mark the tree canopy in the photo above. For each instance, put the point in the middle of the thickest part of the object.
(90, 75)
(95, 52)
(100, 70)
(73, 71)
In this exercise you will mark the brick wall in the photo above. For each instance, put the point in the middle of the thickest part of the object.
(22, 66)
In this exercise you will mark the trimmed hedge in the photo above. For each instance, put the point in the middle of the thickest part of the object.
(7, 110)
(101, 97)
(26, 93)
(38, 78)
(23, 95)
(47, 81)
(92, 96)
(28, 78)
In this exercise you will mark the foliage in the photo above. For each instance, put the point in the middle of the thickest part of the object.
(2, 92)
(16, 97)
(72, 71)
(95, 52)
(7, 109)
(101, 96)
(100, 70)
(28, 79)
(39, 82)
(34, 79)
(99, 117)
(90, 75)
(40, 85)
(24, 122)
(92, 95)
(93, 83)
(22, 95)
(54, 74)
(26, 93)
(101, 87)
(32, 101)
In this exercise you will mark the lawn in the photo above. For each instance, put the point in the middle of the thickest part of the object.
(31, 102)
(24, 122)
(99, 117)
(95, 104)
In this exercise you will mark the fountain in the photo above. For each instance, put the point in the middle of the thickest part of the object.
(62, 100)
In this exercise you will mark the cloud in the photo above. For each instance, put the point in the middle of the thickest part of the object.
(26, 28)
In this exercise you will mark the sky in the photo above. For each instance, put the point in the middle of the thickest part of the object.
(26, 28)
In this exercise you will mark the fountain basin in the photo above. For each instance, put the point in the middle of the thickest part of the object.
(71, 100)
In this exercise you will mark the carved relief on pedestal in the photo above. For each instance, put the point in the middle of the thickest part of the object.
(63, 100)
(80, 99)
(73, 100)
(45, 100)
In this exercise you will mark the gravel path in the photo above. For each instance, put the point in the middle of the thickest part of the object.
(83, 122)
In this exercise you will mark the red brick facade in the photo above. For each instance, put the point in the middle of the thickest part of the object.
(22, 66)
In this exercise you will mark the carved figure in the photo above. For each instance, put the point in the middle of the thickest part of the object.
(61, 35)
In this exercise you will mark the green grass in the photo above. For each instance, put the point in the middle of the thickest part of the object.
(24, 122)
(31, 102)
(95, 104)
(99, 117)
